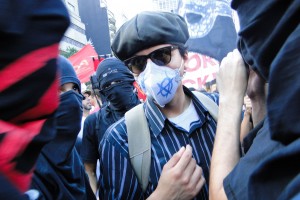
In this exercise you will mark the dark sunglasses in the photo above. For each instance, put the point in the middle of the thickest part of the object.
(160, 57)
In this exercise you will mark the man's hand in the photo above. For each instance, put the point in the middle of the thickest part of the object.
(246, 125)
(232, 78)
(247, 103)
(181, 177)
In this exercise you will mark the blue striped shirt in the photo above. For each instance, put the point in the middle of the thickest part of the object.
(117, 179)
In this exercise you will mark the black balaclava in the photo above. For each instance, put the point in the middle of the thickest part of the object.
(59, 172)
(121, 95)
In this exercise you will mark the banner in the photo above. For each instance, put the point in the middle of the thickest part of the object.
(83, 63)
(201, 69)
(212, 37)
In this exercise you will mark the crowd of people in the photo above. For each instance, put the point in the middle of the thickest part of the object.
(53, 146)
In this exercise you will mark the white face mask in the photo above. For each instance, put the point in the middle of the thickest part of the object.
(160, 82)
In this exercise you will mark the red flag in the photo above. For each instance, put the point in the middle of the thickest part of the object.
(83, 64)
(97, 61)
(142, 96)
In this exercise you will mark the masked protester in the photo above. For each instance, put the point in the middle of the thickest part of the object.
(151, 45)
(269, 166)
(115, 83)
(29, 36)
(59, 172)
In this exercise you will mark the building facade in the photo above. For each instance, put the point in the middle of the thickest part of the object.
(75, 36)
(165, 5)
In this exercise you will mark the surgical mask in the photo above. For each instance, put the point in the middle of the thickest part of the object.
(160, 82)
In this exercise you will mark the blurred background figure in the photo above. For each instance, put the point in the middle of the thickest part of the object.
(86, 107)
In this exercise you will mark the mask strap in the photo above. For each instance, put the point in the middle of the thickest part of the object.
(181, 65)
(178, 76)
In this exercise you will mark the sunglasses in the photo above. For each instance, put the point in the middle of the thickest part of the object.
(160, 57)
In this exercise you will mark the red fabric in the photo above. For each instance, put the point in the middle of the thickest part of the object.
(97, 61)
(83, 62)
(17, 134)
(15, 72)
(141, 94)
(14, 143)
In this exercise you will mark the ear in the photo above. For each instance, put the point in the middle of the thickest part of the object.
(185, 59)
(186, 55)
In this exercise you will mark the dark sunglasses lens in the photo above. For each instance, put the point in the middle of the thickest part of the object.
(161, 56)
(137, 64)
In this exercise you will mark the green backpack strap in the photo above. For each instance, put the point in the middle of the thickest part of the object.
(139, 143)
(208, 103)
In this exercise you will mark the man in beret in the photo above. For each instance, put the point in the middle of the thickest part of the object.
(152, 46)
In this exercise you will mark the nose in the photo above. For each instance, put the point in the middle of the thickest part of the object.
(148, 59)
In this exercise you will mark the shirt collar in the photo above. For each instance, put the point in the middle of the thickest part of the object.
(157, 119)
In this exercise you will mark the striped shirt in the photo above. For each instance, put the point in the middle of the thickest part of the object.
(117, 179)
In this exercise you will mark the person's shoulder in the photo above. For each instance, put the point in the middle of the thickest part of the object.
(213, 95)
(115, 138)
(116, 135)
(91, 116)
(91, 119)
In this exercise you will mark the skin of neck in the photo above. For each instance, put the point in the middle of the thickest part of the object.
(85, 112)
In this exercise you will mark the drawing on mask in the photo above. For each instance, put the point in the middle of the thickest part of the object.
(165, 87)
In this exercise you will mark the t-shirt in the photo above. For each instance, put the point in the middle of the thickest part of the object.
(95, 126)
(185, 119)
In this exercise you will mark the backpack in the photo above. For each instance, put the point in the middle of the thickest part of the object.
(139, 145)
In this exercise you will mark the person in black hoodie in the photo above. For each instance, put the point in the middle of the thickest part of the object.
(29, 38)
(115, 83)
(59, 172)
(268, 44)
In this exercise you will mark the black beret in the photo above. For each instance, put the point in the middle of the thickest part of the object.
(148, 29)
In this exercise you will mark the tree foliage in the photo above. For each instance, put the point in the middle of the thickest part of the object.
(68, 52)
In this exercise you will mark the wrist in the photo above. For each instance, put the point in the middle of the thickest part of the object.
(230, 106)
(154, 196)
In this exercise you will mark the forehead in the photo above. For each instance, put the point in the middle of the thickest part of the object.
(68, 85)
(151, 49)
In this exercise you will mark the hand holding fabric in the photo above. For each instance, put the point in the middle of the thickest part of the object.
(181, 177)
(232, 78)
